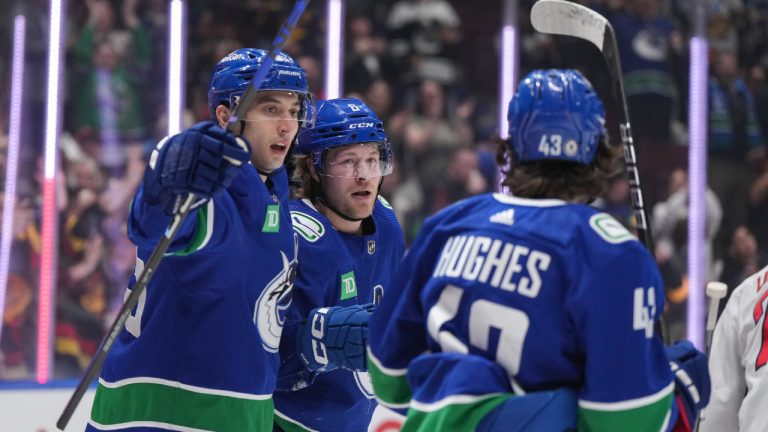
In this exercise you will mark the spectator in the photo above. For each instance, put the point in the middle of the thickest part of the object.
(735, 141)
(111, 64)
(648, 41)
(462, 179)
(743, 259)
(367, 56)
(426, 34)
(670, 222)
(431, 136)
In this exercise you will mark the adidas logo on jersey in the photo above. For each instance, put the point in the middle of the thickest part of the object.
(506, 217)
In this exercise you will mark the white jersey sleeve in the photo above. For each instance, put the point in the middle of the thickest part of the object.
(737, 361)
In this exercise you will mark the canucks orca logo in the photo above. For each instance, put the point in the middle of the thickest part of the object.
(273, 302)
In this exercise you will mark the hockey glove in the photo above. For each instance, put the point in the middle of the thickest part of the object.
(335, 337)
(202, 160)
(692, 384)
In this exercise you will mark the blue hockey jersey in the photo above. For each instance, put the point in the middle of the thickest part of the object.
(558, 294)
(335, 269)
(200, 350)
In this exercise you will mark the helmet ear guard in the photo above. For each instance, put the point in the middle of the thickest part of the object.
(340, 123)
(555, 115)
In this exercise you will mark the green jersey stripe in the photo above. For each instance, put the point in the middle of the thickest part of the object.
(452, 416)
(156, 402)
(459, 399)
(290, 425)
(392, 390)
(630, 403)
(651, 417)
(203, 231)
(196, 389)
(383, 369)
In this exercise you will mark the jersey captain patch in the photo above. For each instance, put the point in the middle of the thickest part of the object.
(307, 226)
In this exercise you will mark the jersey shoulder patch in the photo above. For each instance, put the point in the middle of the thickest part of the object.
(384, 202)
(307, 226)
(609, 229)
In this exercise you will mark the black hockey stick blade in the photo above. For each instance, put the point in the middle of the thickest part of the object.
(158, 253)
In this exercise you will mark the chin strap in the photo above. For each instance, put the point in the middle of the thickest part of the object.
(322, 199)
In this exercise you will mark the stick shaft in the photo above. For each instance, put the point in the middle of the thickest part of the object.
(158, 253)
(715, 291)
(572, 19)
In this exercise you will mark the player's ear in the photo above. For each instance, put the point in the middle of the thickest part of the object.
(222, 115)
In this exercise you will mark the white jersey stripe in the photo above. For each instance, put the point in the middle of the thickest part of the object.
(187, 387)
(630, 403)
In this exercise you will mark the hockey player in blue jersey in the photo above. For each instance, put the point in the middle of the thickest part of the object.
(200, 351)
(349, 245)
(533, 311)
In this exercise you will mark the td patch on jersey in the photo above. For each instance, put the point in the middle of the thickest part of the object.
(609, 228)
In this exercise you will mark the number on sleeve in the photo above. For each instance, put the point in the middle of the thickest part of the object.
(133, 322)
(758, 313)
(644, 310)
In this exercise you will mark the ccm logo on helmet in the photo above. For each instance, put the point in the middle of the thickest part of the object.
(361, 125)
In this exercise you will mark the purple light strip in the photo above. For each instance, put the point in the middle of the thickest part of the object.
(12, 164)
(697, 184)
(508, 78)
(176, 67)
(507, 69)
(333, 52)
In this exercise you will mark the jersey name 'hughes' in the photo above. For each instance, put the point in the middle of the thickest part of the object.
(494, 262)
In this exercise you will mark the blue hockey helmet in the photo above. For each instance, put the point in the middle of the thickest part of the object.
(232, 76)
(555, 115)
(343, 122)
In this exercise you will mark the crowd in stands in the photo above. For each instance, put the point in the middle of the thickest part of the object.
(429, 68)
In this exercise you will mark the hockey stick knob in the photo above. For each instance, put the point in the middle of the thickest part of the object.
(715, 291)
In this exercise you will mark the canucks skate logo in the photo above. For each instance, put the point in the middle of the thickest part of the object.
(270, 309)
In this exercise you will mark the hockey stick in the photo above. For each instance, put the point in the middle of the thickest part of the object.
(571, 19)
(157, 254)
(715, 292)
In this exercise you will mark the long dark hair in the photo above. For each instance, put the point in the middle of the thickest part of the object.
(568, 181)
(304, 185)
